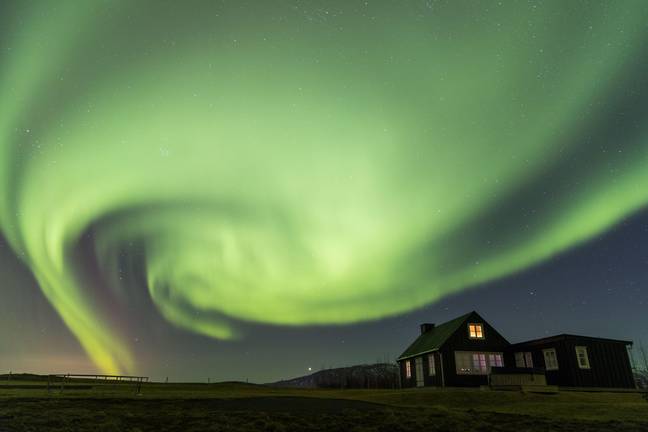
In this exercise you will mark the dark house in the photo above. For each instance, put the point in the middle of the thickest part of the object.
(576, 361)
(462, 352)
(457, 353)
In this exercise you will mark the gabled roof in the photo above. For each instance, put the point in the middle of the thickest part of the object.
(433, 339)
(564, 336)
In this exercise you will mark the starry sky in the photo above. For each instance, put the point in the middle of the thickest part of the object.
(248, 189)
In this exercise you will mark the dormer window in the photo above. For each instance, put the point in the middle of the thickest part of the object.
(476, 331)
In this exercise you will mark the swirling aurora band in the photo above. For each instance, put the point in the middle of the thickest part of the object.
(302, 163)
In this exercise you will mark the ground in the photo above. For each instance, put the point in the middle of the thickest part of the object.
(241, 407)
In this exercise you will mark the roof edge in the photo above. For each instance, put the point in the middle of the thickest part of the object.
(417, 354)
(568, 335)
(460, 319)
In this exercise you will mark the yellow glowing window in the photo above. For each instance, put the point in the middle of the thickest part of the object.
(408, 369)
(476, 331)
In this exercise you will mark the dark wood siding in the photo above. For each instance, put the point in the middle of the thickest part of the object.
(446, 373)
(432, 380)
(608, 359)
(460, 341)
(407, 382)
(429, 380)
(455, 380)
(609, 362)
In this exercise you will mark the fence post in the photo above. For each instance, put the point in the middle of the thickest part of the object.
(138, 386)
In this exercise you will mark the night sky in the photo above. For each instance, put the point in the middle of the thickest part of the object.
(248, 189)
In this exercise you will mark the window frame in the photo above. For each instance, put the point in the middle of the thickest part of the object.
(519, 360)
(465, 362)
(528, 359)
(582, 349)
(408, 369)
(524, 359)
(431, 365)
(552, 367)
(481, 328)
(480, 362)
(495, 360)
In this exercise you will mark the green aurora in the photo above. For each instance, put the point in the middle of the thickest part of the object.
(309, 162)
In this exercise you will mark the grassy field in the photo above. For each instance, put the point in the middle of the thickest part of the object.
(242, 407)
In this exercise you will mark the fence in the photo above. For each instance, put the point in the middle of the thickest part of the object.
(62, 379)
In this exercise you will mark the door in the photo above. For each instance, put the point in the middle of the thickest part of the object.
(419, 372)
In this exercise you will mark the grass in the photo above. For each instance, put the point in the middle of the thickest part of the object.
(241, 407)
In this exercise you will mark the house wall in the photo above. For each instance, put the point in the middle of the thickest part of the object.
(406, 382)
(429, 380)
(609, 362)
(460, 341)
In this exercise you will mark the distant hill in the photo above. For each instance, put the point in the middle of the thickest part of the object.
(22, 377)
(380, 375)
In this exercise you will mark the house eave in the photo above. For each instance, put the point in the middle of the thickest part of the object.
(416, 355)
(564, 336)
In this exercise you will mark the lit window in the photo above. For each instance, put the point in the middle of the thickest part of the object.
(408, 369)
(528, 358)
(583, 359)
(477, 363)
(431, 365)
(495, 360)
(551, 361)
(476, 331)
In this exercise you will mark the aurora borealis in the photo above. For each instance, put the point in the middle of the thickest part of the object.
(299, 163)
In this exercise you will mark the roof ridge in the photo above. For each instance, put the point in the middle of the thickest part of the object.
(571, 335)
(434, 338)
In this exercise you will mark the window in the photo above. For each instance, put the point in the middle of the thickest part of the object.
(420, 379)
(463, 363)
(519, 360)
(476, 331)
(528, 359)
(581, 356)
(523, 360)
(479, 363)
(408, 369)
(431, 365)
(551, 361)
(495, 360)
(476, 363)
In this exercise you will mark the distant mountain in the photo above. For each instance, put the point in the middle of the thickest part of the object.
(380, 375)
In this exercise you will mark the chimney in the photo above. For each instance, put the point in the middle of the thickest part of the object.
(426, 327)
